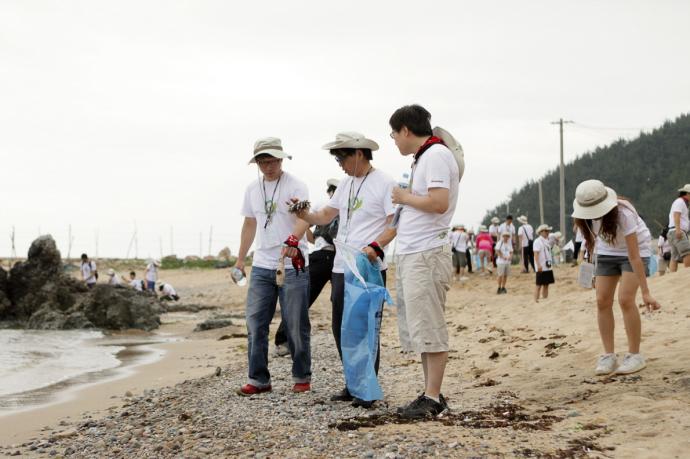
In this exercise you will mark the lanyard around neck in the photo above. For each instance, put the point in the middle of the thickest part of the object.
(351, 202)
(268, 208)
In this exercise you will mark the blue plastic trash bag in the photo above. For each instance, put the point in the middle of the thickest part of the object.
(360, 327)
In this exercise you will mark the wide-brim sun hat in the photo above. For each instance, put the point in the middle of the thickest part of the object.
(686, 188)
(351, 139)
(333, 182)
(483, 229)
(543, 228)
(156, 262)
(557, 234)
(522, 219)
(454, 147)
(593, 200)
(495, 220)
(505, 233)
(269, 146)
(111, 272)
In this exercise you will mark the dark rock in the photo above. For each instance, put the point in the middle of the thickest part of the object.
(4, 300)
(42, 296)
(213, 323)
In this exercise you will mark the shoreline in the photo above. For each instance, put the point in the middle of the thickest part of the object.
(96, 393)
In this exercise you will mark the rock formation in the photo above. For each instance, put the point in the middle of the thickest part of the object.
(41, 296)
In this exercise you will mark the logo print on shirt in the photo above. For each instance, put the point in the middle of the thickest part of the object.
(356, 203)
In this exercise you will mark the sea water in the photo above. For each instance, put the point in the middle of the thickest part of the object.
(36, 359)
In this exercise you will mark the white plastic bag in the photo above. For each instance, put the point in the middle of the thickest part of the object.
(585, 276)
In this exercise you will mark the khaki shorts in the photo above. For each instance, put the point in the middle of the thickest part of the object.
(422, 280)
(503, 270)
(679, 247)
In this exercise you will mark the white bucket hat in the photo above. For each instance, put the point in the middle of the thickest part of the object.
(454, 147)
(495, 220)
(593, 200)
(505, 233)
(557, 234)
(269, 146)
(351, 140)
(522, 219)
(111, 272)
(482, 229)
(686, 188)
(333, 182)
(543, 228)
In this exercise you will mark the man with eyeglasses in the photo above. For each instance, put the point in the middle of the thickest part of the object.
(423, 254)
(281, 237)
(363, 202)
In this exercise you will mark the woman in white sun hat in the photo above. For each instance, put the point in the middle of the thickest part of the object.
(621, 250)
(543, 262)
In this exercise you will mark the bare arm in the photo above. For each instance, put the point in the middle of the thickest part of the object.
(435, 202)
(310, 236)
(676, 222)
(321, 217)
(382, 239)
(246, 241)
(638, 269)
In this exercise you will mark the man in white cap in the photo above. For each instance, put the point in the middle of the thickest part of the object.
(363, 202)
(423, 259)
(281, 236)
(504, 258)
(459, 241)
(526, 237)
(114, 279)
(679, 228)
(321, 261)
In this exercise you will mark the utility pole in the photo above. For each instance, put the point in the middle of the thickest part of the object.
(541, 205)
(70, 239)
(14, 249)
(562, 180)
(210, 239)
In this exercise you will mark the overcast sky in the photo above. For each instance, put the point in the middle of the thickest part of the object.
(113, 113)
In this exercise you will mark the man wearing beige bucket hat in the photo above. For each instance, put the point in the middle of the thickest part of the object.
(423, 259)
(679, 228)
(281, 236)
(363, 204)
(621, 243)
(543, 262)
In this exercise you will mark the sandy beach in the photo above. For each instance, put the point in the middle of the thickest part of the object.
(519, 382)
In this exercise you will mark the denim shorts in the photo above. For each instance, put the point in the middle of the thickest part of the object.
(609, 265)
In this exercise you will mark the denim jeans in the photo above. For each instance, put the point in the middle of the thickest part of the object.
(261, 306)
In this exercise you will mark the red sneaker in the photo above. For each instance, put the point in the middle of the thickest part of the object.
(301, 387)
(250, 389)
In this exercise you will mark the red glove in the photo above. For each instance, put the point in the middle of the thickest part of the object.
(377, 248)
(298, 261)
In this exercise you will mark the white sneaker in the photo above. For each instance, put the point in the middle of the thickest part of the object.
(632, 363)
(281, 350)
(605, 365)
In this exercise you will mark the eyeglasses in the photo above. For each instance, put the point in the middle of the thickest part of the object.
(268, 162)
(339, 157)
(392, 134)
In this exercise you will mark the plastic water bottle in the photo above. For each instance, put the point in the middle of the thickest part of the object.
(238, 277)
(405, 182)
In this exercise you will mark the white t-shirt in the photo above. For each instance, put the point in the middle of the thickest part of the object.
(679, 205)
(460, 241)
(504, 249)
(526, 233)
(115, 279)
(542, 246)
(418, 230)
(370, 209)
(664, 245)
(136, 283)
(88, 271)
(504, 227)
(493, 230)
(168, 290)
(628, 223)
(151, 272)
(273, 233)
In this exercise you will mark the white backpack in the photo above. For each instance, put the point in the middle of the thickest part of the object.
(453, 145)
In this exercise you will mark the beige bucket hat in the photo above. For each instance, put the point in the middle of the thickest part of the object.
(543, 228)
(495, 220)
(269, 146)
(686, 188)
(482, 229)
(522, 219)
(351, 139)
(593, 200)
(454, 147)
(505, 233)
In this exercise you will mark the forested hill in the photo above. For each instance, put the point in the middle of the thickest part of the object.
(648, 170)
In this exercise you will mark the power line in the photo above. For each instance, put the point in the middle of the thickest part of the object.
(608, 128)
